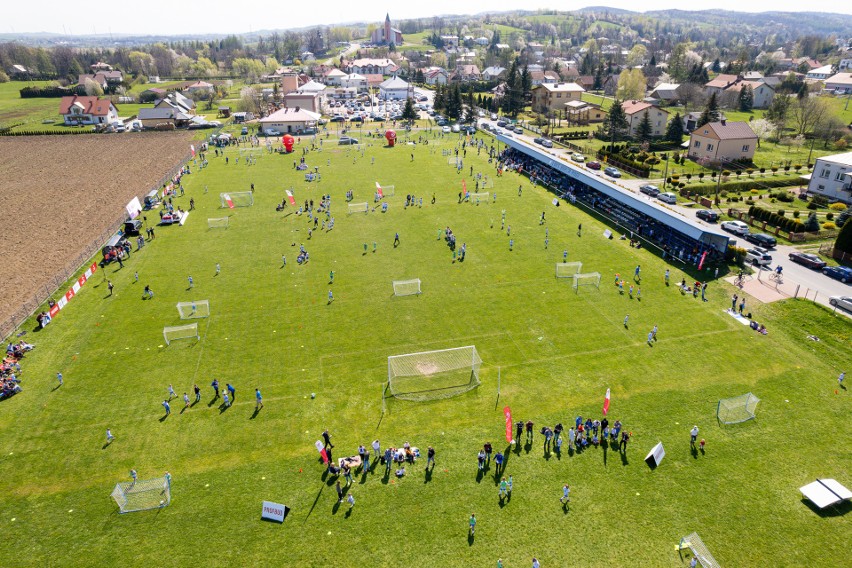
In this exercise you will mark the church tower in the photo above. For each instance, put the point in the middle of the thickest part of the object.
(387, 37)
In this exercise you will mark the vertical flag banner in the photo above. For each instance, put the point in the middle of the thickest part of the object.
(606, 403)
(321, 449)
(379, 190)
(507, 412)
(703, 256)
(464, 187)
(290, 197)
(228, 200)
(192, 149)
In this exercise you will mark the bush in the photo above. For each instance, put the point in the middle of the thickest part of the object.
(812, 206)
(3, 77)
(829, 216)
(754, 191)
(781, 212)
(796, 214)
(829, 226)
(837, 207)
(812, 224)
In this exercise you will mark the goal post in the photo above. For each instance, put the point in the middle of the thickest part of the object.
(388, 190)
(180, 332)
(482, 195)
(699, 550)
(358, 208)
(142, 495)
(587, 279)
(737, 409)
(568, 269)
(194, 309)
(236, 199)
(406, 287)
(432, 375)
(218, 223)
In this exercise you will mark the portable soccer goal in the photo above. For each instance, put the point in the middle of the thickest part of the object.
(251, 152)
(388, 190)
(487, 184)
(737, 409)
(699, 550)
(433, 375)
(453, 161)
(568, 269)
(481, 196)
(406, 287)
(218, 223)
(194, 309)
(237, 199)
(142, 495)
(358, 208)
(587, 279)
(180, 332)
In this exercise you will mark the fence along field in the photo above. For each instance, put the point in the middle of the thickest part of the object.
(61, 199)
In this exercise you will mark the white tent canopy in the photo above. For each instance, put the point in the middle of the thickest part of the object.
(825, 492)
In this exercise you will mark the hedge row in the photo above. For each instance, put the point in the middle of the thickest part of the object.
(45, 132)
(746, 185)
(624, 161)
(50, 92)
(784, 223)
(577, 135)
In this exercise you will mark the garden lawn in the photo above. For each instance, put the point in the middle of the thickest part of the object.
(554, 350)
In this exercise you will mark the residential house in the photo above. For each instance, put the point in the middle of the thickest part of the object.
(635, 112)
(354, 81)
(483, 41)
(832, 178)
(333, 77)
(719, 83)
(727, 89)
(502, 46)
(100, 66)
(722, 142)
(690, 120)
(302, 100)
(374, 80)
(466, 73)
(77, 110)
(289, 120)
(582, 113)
(395, 89)
(199, 87)
(844, 64)
(450, 41)
(586, 81)
(435, 76)
(19, 72)
(494, 73)
(840, 83)
(666, 93)
(307, 56)
(570, 73)
(820, 73)
(155, 117)
(152, 94)
(177, 101)
(98, 79)
(553, 96)
(374, 66)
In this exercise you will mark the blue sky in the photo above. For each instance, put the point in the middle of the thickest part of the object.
(161, 17)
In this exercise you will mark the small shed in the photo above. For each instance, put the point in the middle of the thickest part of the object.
(224, 112)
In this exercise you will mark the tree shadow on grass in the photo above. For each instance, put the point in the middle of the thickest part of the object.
(316, 500)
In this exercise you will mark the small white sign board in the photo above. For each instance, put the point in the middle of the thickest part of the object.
(555, 202)
(656, 455)
(273, 511)
(607, 234)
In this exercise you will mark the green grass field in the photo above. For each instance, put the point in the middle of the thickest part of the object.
(555, 352)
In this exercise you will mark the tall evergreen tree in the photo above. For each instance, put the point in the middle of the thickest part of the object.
(408, 113)
(644, 130)
(711, 111)
(674, 130)
(616, 121)
(526, 83)
(746, 99)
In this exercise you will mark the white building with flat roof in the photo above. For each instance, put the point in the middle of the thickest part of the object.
(832, 178)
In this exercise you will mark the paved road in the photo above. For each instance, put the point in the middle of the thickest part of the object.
(799, 280)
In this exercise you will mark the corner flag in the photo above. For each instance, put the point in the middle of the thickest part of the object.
(321, 449)
(290, 197)
(228, 200)
(379, 190)
(508, 413)
(606, 403)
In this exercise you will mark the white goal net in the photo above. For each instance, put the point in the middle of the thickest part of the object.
(180, 332)
(218, 223)
(587, 279)
(406, 287)
(699, 550)
(480, 196)
(737, 409)
(358, 208)
(237, 199)
(142, 495)
(568, 269)
(432, 375)
(194, 309)
(388, 190)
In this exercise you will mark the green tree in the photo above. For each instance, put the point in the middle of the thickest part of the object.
(746, 99)
(616, 121)
(408, 113)
(711, 111)
(644, 130)
(631, 85)
(674, 130)
(526, 84)
(777, 112)
(454, 102)
(812, 224)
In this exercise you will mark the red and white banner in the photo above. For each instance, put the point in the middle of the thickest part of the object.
(508, 413)
(701, 262)
(379, 190)
(321, 449)
(606, 403)
(464, 187)
(192, 149)
(228, 200)
(75, 288)
(290, 197)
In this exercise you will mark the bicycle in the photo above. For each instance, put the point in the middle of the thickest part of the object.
(776, 277)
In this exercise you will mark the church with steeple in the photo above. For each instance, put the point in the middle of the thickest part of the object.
(386, 35)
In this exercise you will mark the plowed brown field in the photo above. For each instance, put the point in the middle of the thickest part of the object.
(59, 193)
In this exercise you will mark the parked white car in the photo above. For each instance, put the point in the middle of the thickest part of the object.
(667, 197)
(736, 227)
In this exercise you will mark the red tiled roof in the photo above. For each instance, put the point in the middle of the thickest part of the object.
(91, 105)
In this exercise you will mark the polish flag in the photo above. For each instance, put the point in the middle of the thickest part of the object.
(606, 403)
(228, 200)
(290, 197)
(508, 413)
(703, 257)
(321, 449)
(464, 187)
(192, 149)
(379, 190)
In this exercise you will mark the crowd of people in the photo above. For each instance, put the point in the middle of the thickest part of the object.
(10, 368)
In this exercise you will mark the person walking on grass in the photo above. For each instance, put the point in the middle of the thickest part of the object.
(396, 240)
(191, 283)
(231, 390)
(693, 436)
(197, 392)
(109, 436)
(430, 457)
(110, 286)
(326, 437)
(218, 269)
(667, 276)
(566, 491)
(351, 500)
(504, 486)
(259, 399)
(215, 385)
(535, 563)
(472, 523)
(185, 400)
(330, 296)
(339, 492)
(167, 407)
(626, 319)
(839, 379)
(59, 378)
(172, 393)
(133, 476)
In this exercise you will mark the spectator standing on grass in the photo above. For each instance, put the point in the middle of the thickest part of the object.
(693, 436)
(110, 286)
(430, 457)
(326, 437)
(667, 276)
(197, 392)
(529, 426)
(388, 460)
(503, 488)
(225, 400)
(488, 449)
(231, 390)
(535, 563)
(377, 448)
(339, 492)
(472, 523)
(480, 458)
(59, 378)
(258, 399)
(191, 284)
(218, 269)
(215, 385)
(109, 436)
(167, 407)
(185, 400)
(351, 500)
(133, 475)
(839, 379)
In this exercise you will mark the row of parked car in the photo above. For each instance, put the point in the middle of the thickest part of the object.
(666, 197)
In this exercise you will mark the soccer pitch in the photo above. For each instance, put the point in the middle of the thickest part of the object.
(556, 351)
